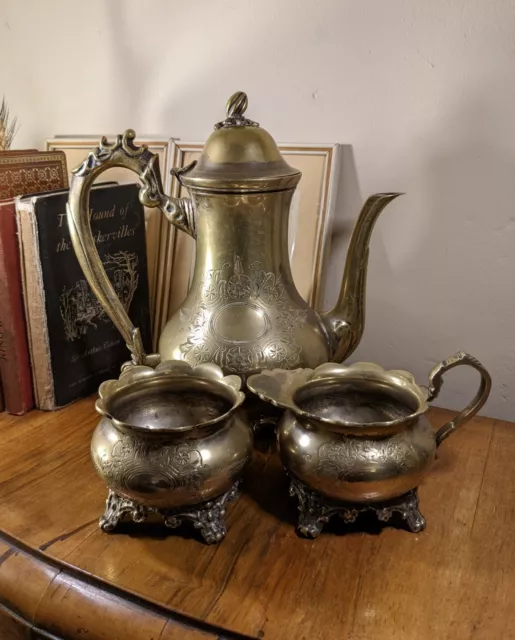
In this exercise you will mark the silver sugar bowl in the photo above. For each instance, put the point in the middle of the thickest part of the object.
(173, 441)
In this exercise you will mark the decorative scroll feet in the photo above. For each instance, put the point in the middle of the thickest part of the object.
(208, 518)
(315, 510)
(407, 507)
(116, 508)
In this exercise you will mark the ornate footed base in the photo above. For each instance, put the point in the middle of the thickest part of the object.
(315, 510)
(208, 517)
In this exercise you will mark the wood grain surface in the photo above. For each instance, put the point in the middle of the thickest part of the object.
(61, 577)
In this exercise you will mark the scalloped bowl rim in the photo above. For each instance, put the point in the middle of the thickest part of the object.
(327, 371)
(145, 373)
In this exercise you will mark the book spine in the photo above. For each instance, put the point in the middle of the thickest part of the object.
(14, 355)
(34, 299)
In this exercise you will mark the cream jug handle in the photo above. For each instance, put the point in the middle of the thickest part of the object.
(122, 153)
(435, 384)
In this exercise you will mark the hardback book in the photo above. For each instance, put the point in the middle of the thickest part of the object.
(21, 171)
(14, 353)
(7, 152)
(32, 172)
(73, 344)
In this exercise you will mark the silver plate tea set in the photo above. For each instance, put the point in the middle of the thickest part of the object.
(177, 427)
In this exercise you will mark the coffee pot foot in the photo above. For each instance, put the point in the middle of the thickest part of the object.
(208, 517)
(315, 510)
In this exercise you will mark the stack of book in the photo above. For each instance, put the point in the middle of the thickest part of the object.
(56, 342)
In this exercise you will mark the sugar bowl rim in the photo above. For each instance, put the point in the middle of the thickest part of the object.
(170, 371)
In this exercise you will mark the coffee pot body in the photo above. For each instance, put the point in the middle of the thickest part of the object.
(243, 311)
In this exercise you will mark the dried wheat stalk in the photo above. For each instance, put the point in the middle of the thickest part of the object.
(7, 128)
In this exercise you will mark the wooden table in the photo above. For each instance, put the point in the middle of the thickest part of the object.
(61, 577)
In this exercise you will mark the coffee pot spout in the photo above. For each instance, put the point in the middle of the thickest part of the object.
(346, 322)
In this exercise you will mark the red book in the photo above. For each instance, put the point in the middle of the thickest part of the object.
(14, 353)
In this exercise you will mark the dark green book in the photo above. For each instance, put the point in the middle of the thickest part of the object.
(73, 344)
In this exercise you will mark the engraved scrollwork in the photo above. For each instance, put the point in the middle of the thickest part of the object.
(343, 458)
(132, 462)
(260, 293)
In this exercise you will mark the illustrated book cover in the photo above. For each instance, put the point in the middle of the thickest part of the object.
(73, 344)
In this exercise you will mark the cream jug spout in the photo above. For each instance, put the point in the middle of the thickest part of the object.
(346, 322)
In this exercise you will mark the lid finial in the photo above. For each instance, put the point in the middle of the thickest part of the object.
(235, 108)
(237, 104)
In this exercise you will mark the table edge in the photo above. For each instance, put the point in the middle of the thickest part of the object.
(13, 603)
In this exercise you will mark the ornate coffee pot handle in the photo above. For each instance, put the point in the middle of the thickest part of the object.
(435, 384)
(122, 153)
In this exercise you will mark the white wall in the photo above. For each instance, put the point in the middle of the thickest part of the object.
(422, 90)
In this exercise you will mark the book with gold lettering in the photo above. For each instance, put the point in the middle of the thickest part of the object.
(73, 344)
(31, 171)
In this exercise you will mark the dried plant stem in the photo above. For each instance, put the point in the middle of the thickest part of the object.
(8, 128)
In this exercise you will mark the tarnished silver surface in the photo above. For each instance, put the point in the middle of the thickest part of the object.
(170, 438)
(358, 433)
(243, 311)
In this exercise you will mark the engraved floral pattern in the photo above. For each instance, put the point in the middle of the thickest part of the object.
(170, 467)
(264, 291)
(341, 459)
(239, 358)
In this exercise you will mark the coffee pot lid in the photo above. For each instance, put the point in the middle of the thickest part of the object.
(240, 156)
